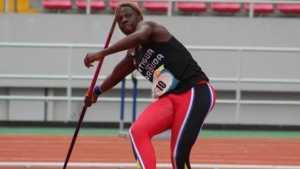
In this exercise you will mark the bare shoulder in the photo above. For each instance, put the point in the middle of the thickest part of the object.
(151, 24)
(159, 32)
(147, 23)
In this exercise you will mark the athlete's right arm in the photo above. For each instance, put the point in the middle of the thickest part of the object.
(121, 70)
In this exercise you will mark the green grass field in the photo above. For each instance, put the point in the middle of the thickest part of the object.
(112, 132)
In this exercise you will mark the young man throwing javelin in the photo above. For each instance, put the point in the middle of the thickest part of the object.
(183, 92)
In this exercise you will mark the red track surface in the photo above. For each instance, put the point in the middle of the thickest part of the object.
(258, 151)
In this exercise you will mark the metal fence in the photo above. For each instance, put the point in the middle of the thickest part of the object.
(71, 77)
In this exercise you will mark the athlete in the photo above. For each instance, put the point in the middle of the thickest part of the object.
(184, 96)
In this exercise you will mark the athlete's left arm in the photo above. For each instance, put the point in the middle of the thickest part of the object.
(143, 31)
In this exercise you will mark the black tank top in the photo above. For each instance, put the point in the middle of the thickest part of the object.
(174, 56)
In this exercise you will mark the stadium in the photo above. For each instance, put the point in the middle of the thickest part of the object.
(248, 48)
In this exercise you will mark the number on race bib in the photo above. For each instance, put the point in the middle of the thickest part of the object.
(161, 85)
(163, 81)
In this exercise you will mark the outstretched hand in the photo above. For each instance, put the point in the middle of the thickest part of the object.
(91, 58)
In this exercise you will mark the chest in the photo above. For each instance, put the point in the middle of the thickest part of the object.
(147, 60)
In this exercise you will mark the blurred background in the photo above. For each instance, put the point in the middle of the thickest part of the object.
(248, 48)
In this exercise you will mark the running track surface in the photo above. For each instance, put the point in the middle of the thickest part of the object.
(52, 148)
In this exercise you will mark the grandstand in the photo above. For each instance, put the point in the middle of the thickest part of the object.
(205, 7)
(248, 48)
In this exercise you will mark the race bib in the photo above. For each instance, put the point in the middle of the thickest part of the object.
(163, 81)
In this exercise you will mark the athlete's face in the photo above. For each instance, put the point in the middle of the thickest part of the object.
(128, 19)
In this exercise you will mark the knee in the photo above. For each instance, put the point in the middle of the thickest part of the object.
(137, 130)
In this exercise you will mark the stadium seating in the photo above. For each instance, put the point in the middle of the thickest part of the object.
(191, 6)
(260, 7)
(156, 6)
(57, 4)
(289, 8)
(95, 4)
(114, 3)
(162, 6)
(225, 7)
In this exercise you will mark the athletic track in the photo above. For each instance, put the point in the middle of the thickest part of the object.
(37, 148)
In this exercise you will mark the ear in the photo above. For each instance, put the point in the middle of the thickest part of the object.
(140, 18)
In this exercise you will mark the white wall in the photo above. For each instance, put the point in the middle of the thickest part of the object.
(204, 31)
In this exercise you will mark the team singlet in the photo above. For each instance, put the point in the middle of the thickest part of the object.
(168, 65)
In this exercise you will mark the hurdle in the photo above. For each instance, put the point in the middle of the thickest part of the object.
(122, 132)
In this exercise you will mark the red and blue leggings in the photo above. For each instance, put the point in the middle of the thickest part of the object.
(183, 113)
